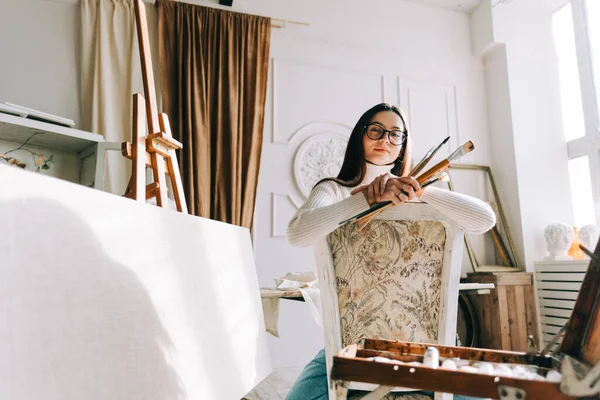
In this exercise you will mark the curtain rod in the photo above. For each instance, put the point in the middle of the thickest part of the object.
(275, 22)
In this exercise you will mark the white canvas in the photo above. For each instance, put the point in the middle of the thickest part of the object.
(105, 298)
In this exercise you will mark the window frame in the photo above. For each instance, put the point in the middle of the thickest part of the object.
(589, 144)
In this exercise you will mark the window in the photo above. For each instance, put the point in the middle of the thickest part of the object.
(568, 73)
(581, 190)
(577, 44)
(593, 14)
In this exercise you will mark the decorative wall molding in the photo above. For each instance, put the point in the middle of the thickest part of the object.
(276, 137)
(320, 127)
(72, 2)
(499, 2)
(320, 156)
(77, 2)
(409, 91)
(273, 100)
(278, 201)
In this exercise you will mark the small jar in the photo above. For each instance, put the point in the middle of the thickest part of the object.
(431, 358)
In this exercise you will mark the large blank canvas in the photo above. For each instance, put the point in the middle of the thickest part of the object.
(102, 297)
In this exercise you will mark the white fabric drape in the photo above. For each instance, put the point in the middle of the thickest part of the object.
(110, 75)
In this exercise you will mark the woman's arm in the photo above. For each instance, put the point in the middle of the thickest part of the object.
(472, 214)
(322, 213)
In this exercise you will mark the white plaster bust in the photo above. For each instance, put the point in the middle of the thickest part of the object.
(588, 236)
(559, 237)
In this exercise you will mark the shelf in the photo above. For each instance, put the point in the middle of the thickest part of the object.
(585, 262)
(290, 294)
(18, 130)
(295, 294)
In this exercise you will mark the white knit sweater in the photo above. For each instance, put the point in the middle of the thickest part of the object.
(330, 203)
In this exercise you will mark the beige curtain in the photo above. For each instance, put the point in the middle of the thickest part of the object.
(214, 67)
(110, 75)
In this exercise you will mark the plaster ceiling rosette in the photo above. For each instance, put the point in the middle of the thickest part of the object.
(319, 156)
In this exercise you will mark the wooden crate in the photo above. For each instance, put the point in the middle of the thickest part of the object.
(507, 316)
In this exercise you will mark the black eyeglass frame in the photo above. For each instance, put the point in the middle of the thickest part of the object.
(384, 131)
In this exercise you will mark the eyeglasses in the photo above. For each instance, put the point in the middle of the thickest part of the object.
(376, 132)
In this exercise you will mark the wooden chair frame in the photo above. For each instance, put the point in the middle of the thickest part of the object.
(451, 269)
(577, 359)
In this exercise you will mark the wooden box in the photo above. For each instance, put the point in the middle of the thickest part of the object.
(575, 364)
(506, 317)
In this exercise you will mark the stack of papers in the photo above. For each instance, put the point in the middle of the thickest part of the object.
(14, 109)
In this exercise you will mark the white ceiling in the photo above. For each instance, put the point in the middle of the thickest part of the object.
(456, 5)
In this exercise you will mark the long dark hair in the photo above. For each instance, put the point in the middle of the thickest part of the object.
(354, 166)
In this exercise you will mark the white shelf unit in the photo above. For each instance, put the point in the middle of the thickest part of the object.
(89, 147)
(557, 285)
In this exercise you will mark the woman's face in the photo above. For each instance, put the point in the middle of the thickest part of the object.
(381, 151)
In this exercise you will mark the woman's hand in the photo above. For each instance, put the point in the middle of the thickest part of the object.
(405, 186)
(376, 189)
(389, 187)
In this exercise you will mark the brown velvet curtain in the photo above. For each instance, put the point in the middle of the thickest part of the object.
(214, 67)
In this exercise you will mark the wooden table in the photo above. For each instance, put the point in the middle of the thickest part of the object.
(295, 294)
(471, 328)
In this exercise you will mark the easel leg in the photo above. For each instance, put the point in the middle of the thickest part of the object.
(173, 168)
(158, 168)
(138, 175)
(157, 149)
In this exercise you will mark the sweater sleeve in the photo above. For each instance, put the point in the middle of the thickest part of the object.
(321, 214)
(472, 214)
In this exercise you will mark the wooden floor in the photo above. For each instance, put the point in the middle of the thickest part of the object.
(276, 385)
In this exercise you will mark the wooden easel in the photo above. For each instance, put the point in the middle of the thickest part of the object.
(157, 149)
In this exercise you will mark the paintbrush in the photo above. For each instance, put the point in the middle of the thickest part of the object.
(366, 216)
(436, 169)
(461, 151)
(418, 165)
(440, 167)
(383, 204)
(590, 254)
(456, 154)
(427, 157)
(374, 207)
(443, 177)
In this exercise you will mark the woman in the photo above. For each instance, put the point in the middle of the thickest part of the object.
(377, 155)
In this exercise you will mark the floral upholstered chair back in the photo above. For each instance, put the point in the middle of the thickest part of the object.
(397, 279)
(388, 280)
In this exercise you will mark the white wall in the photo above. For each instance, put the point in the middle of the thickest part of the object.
(353, 55)
(65, 165)
(40, 55)
(529, 155)
(417, 56)
(40, 67)
(502, 139)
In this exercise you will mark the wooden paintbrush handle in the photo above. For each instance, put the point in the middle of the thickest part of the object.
(363, 220)
(432, 171)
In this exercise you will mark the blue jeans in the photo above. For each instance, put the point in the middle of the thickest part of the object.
(312, 382)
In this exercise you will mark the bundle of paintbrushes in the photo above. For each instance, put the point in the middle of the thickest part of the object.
(434, 174)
